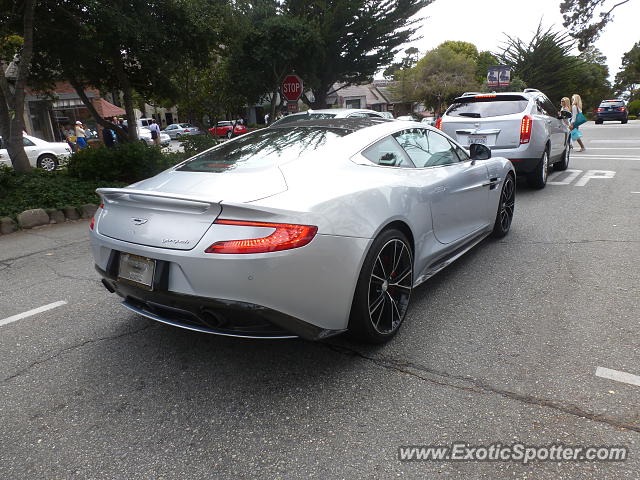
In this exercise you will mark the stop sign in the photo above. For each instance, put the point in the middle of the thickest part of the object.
(292, 88)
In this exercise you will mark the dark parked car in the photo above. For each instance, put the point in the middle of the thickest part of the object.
(612, 110)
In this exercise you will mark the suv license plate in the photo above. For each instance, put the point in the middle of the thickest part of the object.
(137, 270)
(481, 139)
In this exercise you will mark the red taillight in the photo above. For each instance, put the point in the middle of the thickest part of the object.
(285, 237)
(92, 223)
(600, 109)
(525, 129)
(621, 109)
(486, 96)
(186, 130)
(439, 123)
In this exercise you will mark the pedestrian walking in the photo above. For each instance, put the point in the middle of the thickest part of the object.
(577, 119)
(565, 106)
(155, 132)
(81, 136)
(266, 119)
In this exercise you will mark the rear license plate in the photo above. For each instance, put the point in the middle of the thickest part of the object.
(481, 139)
(137, 270)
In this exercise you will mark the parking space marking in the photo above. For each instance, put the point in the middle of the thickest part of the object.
(618, 376)
(30, 313)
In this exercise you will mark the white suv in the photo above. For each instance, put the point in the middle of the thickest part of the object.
(524, 127)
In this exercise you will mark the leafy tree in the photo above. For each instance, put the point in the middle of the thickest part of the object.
(409, 60)
(357, 37)
(122, 45)
(593, 74)
(587, 18)
(628, 78)
(439, 77)
(464, 48)
(545, 62)
(484, 61)
(16, 44)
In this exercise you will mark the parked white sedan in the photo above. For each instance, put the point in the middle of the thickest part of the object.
(42, 154)
(144, 134)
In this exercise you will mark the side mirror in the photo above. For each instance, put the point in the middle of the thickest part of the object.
(479, 152)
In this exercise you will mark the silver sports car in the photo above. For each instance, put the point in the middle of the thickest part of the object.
(308, 230)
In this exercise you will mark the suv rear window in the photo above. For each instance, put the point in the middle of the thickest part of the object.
(487, 106)
(262, 148)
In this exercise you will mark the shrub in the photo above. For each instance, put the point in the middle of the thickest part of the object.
(193, 144)
(634, 107)
(129, 162)
(48, 190)
(633, 117)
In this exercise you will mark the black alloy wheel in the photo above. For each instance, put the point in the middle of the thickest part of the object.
(506, 207)
(384, 289)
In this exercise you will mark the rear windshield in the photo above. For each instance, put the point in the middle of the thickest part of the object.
(611, 104)
(481, 107)
(262, 148)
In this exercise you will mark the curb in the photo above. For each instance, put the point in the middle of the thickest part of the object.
(38, 216)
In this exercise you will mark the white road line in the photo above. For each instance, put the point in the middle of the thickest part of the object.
(35, 311)
(607, 157)
(613, 148)
(635, 192)
(618, 376)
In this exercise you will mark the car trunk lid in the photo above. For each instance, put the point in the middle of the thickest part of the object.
(157, 212)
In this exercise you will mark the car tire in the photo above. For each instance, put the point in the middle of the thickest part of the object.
(624, 121)
(538, 178)
(563, 164)
(506, 206)
(599, 122)
(383, 291)
(47, 162)
(229, 135)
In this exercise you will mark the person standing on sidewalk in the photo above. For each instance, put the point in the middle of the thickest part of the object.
(81, 137)
(577, 119)
(155, 133)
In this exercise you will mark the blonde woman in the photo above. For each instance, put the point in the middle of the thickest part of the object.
(565, 106)
(577, 119)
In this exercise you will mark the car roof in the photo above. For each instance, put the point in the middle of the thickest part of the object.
(351, 124)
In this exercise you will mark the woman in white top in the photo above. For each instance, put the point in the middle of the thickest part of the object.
(576, 107)
(81, 139)
(565, 106)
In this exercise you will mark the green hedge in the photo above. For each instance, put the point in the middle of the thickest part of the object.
(634, 107)
(41, 189)
(129, 162)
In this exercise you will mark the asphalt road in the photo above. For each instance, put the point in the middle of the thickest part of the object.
(501, 347)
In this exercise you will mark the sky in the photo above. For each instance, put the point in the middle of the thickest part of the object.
(484, 23)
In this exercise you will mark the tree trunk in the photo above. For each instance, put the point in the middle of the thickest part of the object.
(272, 114)
(12, 122)
(78, 87)
(127, 92)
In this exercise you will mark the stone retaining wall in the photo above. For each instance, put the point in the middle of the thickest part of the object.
(38, 216)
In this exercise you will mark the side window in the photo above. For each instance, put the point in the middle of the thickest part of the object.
(462, 155)
(387, 153)
(427, 148)
(373, 115)
(415, 142)
(549, 107)
(441, 150)
(27, 143)
(358, 115)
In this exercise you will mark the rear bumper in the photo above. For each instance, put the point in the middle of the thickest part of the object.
(611, 117)
(216, 316)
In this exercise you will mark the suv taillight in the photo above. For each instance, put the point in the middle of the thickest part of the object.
(525, 129)
(600, 109)
(439, 123)
(621, 109)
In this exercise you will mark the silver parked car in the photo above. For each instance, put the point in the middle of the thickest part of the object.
(309, 229)
(329, 113)
(176, 130)
(524, 127)
(41, 154)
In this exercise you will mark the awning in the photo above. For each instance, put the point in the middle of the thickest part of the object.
(106, 109)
